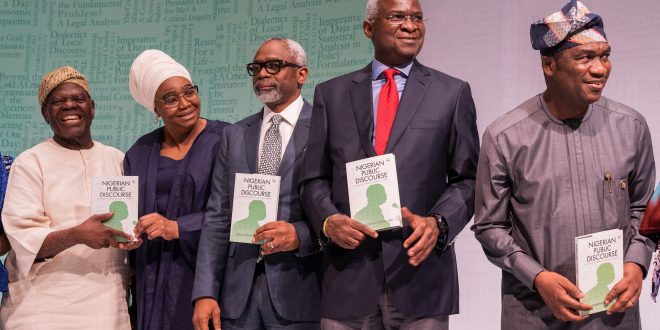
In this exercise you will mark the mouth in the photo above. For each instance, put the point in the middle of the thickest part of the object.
(264, 87)
(71, 119)
(596, 85)
(409, 39)
(188, 114)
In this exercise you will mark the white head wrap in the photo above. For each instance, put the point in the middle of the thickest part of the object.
(148, 71)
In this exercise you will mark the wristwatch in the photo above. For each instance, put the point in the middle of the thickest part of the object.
(444, 231)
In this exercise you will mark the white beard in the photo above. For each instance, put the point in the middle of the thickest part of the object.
(270, 96)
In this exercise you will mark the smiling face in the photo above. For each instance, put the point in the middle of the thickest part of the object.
(69, 110)
(578, 75)
(183, 115)
(396, 44)
(277, 90)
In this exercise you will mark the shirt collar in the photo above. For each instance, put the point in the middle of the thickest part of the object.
(377, 69)
(290, 114)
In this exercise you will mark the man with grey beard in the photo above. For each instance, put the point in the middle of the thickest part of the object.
(275, 284)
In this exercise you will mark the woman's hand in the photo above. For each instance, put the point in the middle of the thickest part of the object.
(156, 225)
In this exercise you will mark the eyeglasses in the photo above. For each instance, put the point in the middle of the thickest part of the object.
(271, 67)
(400, 19)
(172, 100)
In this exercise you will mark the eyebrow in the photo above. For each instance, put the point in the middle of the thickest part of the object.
(172, 91)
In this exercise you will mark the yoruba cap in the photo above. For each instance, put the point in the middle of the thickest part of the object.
(148, 71)
(59, 76)
(572, 26)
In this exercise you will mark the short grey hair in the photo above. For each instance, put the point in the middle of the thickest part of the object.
(372, 10)
(296, 51)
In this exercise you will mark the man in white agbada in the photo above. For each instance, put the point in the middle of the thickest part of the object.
(65, 269)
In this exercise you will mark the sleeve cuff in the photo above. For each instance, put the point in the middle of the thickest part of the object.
(640, 254)
(525, 269)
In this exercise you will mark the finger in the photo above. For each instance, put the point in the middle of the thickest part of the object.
(202, 323)
(267, 226)
(267, 235)
(216, 318)
(568, 315)
(571, 289)
(614, 292)
(103, 217)
(119, 233)
(268, 246)
(570, 302)
(347, 242)
(362, 228)
(416, 234)
(624, 302)
(144, 223)
(417, 259)
(154, 232)
(407, 215)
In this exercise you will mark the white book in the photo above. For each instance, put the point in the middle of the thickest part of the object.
(118, 194)
(373, 191)
(256, 199)
(598, 266)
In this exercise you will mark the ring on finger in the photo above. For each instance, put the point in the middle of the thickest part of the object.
(271, 245)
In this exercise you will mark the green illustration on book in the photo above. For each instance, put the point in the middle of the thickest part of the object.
(120, 210)
(247, 226)
(596, 296)
(372, 214)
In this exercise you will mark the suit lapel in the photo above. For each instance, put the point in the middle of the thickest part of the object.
(252, 140)
(298, 141)
(416, 86)
(361, 100)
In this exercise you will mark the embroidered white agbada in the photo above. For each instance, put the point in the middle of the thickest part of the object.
(49, 189)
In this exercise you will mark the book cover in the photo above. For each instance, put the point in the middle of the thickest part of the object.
(118, 194)
(373, 191)
(598, 266)
(256, 199)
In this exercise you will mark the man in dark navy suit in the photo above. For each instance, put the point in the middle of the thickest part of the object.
(402, 278)
(275, 285)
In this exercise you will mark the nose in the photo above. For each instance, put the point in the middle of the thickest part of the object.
(262, 73)
(600, 67)
(183, 101)
(408, 25)
(68, 103)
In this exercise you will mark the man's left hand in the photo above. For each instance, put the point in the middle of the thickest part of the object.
(423, 239)
(627, 290)
(279, 236)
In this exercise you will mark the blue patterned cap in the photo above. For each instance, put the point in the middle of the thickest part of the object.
(574, 25)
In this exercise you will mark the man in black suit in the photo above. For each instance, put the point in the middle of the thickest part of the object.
(404, 278)
(275, 285)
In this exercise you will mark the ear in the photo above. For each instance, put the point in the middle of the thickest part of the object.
(368, 28)
(92, 109)
(44, 113)
(301, 76)
(549, 65)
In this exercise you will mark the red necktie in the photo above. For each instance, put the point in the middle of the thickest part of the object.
(388, 102)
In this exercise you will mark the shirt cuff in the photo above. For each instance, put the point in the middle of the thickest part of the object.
(525, 269)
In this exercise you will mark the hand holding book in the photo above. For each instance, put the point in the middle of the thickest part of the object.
(278, 236)
(156, 225)
(346, 232)
(627, 290)
(561, 296)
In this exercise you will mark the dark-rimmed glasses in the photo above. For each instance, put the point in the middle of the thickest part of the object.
(400, 18)
(272, 67)
(172, 99)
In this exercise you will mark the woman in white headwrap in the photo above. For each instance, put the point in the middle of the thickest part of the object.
(174, 163)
